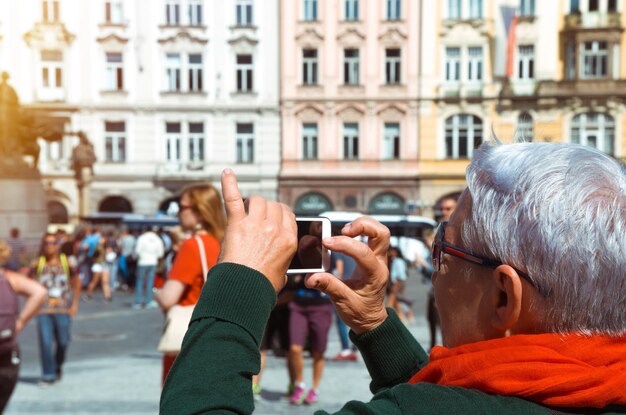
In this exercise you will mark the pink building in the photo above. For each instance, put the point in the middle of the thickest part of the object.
(349, 97)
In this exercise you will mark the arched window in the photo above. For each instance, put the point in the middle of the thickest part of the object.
(386, 203)
(57, 213)
(525, 127)
(116, 204)
(464, 133)
(312, 204)
(594, 129)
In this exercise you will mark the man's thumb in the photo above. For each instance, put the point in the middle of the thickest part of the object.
(328, 284)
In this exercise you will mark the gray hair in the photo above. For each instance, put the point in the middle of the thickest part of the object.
(557, 212)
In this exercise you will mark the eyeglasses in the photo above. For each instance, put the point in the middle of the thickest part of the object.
(441, 247)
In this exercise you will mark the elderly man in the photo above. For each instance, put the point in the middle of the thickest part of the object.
(529, 280)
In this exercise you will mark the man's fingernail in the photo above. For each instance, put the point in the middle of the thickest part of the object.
(227, 171)
(347, 227)
(329, 240)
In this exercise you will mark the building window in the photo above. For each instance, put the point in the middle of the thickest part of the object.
(454, 9)
(527, 8)
(172, 141)
(310, 10)
(113, 12)
(393, 9)
(594, 5)
(195, 73)
(475, 64)
(51, 69)
(245, 143)
(352, 9)
(309, 66)
(309, 141)
(596, 130)
(612, 6)
(351, 66)
(453, 64)
(50, 10)
(594, 60)
(244, 12)
(114, 72)
(570, 59)
(391, 142)
(525, 127)
(393, 60)
(172, 12)
(526, 62)
(463, 134)
(115, 142)
(196, 141)
(574, 6)
(244, 73)
(172, 72)
(195, 12)
(350, 141)
(476, 9)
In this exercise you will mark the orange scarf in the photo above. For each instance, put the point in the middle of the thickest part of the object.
(551, 369)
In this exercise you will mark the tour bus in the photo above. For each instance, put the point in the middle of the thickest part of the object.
(406, 230)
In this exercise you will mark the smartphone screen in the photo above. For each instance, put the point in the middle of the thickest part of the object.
(311, 256)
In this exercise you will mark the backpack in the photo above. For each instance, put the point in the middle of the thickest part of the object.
(64, 263)
(9, 311)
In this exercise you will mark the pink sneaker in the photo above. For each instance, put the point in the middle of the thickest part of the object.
(312, 397)
(297, 396)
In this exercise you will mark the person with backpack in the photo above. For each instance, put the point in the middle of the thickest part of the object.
(13, 320)
(54, 272)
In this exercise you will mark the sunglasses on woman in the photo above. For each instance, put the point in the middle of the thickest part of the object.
(441, 247)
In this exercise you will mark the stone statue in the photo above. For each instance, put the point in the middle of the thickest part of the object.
(83, 157)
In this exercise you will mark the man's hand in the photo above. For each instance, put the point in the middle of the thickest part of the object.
(360, 300)
(73, 310)
(264, 239)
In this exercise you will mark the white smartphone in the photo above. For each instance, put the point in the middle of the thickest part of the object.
(311, 255)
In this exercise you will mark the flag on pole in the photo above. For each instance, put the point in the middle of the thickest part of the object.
(509, 17)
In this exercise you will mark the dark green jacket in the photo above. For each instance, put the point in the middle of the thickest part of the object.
(220, 354)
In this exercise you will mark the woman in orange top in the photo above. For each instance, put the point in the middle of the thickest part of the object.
(200, 214)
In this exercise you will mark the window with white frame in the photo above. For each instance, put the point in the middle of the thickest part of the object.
(309, 141)
(454, 9)
(245, 143)
(115, 142)
(114, 72)
(196, 141)
(52, 69)
(391, 142)
(526, 62)
(570, 59)
(309, 66)
(195, 72)
(527, 8)
(453, 64)
(594, 59)
(351, 66)
(393, 9)
(594, 129)
(350, 141)
(195, 12)
(475, 64)
(172, 72)
(525, 127)
(244, 74)
(173, 141)
(172, 12)
(310, 10)
(463, 133)
(352, 9)
(113, 12)
(55, 150)
(50, 10)
(475, 9)
(243, 11)
(393, 61)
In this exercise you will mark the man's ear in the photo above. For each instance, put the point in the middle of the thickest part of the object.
(507, 298)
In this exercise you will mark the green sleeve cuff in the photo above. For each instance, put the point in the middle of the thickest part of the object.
(237, 294)
(390, 352)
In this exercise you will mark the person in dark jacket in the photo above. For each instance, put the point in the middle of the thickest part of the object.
(528, 278)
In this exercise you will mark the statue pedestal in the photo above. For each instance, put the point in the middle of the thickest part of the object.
(23, 206)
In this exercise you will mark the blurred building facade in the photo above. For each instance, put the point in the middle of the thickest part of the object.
(168, 91)
(378, 109)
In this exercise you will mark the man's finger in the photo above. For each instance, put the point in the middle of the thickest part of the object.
(377, 233)
(257, 208)
(275, 213)
(232, 198)
(360, 252)
(329, 285)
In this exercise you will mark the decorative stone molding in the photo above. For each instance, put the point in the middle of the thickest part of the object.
(310, 37)
(243, 44)
(310, 113)
(112, 39)
(351, 37)
(183, 36)
(392, 36)
(47, 35)
(350, 112)
(391, 112)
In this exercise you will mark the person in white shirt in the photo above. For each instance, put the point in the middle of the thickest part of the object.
(149, 249)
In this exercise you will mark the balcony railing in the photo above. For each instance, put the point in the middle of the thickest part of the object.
(593, 20)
